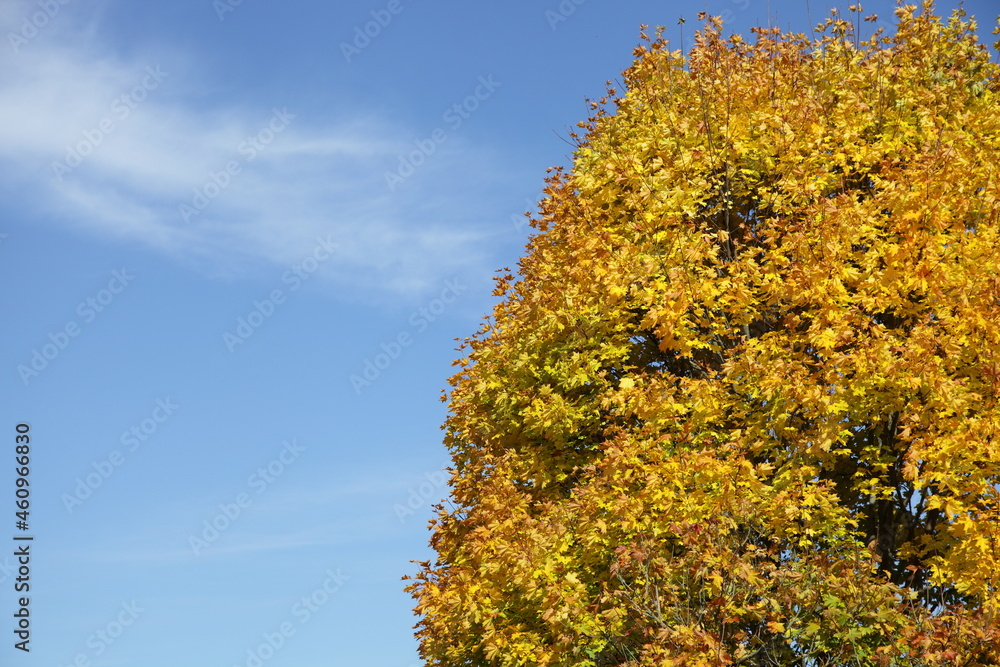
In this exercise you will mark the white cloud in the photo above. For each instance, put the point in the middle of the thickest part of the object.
(151, 149)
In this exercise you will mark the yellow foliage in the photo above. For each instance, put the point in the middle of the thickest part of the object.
(742, 404)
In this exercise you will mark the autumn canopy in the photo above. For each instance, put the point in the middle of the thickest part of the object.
(740, 403)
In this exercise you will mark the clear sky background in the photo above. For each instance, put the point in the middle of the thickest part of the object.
(219, 309)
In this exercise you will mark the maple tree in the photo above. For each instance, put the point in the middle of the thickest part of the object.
(740, 406)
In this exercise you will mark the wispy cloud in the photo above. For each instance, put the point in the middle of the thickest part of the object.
(153, 551)
(157, 545)
(125, 148)
(361, 511)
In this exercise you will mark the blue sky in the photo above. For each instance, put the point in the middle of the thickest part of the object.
(236, 255)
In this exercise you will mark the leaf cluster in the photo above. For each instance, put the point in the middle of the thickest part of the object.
(740, 404)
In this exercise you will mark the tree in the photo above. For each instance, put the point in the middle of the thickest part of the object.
(740, 406)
